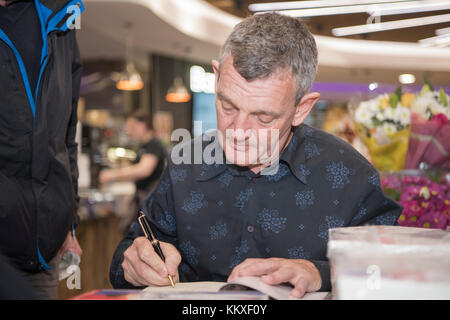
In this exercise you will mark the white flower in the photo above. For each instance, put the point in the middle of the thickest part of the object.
(426, 104)
(380, 115)
(363, 115)
(389, 128)
(402, 116)
(373, 105)
(437, 108)
(389, 113)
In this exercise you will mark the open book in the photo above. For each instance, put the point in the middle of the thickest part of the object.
(245, 288)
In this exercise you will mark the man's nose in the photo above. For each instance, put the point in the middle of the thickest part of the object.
(242, 126)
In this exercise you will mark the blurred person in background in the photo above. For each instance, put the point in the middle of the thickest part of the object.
(149, 163)
(40, 74)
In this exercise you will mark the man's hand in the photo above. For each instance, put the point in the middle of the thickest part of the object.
(143, 267)
(70, 244)
(302, 274)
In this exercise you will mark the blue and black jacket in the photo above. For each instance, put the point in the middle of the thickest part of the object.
(38, 153)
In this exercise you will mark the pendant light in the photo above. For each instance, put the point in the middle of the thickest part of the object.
(129, 79)
(177, 92)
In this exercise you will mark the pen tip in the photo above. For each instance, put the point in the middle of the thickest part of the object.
(171, 281)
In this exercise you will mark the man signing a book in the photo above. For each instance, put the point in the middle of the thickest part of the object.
(256, 215)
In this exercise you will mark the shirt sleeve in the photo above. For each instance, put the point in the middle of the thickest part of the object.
(154, 147)
(374, 206)
(158, 208)
(368, 205)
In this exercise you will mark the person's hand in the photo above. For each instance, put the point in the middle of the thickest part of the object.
(70, 244)
(143, 267)
(302, 274)
(106, 176)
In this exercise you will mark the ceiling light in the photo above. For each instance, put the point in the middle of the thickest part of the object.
(373, 86)
(178, 93)
(406, 78)
(374, 9)
(413, 7)
(391, 25)
(275, 6)
(438, 40)
(442, 31)
(129, 79)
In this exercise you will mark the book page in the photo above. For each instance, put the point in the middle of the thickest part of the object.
(222, 290)
(202, 290)
(188, 286)
(279, 292)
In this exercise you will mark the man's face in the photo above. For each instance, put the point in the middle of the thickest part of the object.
(135, 129)
(245, 110)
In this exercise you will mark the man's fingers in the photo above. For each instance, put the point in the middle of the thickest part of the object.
(139, 270)
(148, 255)
(255, 267)
(279, 276)
(173, 257)
(130, 275)
(300, 287)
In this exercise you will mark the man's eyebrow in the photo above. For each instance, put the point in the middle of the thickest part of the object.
(221, 96)
(266, 112)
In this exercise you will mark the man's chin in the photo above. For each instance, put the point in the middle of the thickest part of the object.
(241, 160)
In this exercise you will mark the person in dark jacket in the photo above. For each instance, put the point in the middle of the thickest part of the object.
(40, 74)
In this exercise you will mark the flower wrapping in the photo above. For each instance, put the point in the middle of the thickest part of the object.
(387, 152)
(383, 125)
(429, 140)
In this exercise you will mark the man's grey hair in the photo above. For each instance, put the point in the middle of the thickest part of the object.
(265, 43)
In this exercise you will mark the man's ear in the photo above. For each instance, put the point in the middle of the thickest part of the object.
(216, 65)
(304, 107)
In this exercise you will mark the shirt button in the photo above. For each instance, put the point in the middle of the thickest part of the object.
(250, 229)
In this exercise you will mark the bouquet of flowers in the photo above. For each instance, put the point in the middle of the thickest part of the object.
(429, 140)
(383, 125)
(425, 200)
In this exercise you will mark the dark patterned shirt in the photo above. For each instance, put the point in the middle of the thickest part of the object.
(220, 214)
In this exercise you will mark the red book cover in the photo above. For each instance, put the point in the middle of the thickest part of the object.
(109, 294)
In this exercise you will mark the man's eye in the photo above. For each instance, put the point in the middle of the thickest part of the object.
(265, 119)
(227, 109)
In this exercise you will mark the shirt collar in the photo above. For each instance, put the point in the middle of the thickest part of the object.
(210, 168)
(293, 155)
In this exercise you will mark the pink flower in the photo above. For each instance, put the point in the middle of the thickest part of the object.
(410, 215)
(436, 220)
(440, 119)
(410, 192)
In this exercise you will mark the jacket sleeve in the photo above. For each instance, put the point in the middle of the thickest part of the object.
(71, 132)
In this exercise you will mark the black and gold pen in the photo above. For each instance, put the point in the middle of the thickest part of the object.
(143, 222)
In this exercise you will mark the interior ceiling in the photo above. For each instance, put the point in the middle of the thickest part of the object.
(102, 37)
(323, 25)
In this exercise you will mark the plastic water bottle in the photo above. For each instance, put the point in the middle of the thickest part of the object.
(69, 262)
